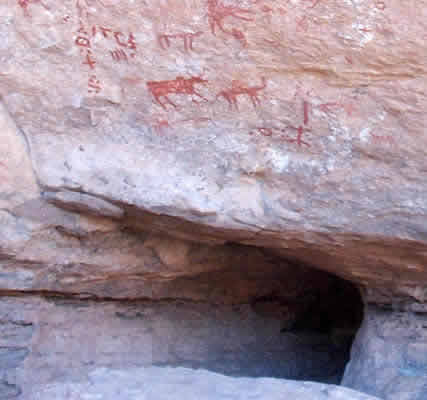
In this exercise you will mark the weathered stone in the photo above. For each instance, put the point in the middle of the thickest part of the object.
(133, 131)
(233, 119)
(389, 355)
(167, 383)
(9, 391)
(11, 357)
(83, 203)
(72, 337)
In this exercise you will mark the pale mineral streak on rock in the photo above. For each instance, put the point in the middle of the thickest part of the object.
(80, 202)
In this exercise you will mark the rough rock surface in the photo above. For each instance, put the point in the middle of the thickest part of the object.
(158, 384)
(389, 355)
(282, 124)
(43, 340)
(146, 145)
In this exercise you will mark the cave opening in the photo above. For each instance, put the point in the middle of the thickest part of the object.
(307, 336)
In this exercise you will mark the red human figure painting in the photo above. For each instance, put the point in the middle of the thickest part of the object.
(238, 89)
(217, 12)
(180, 85)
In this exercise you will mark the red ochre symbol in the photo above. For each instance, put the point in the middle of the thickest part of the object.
(162, 89)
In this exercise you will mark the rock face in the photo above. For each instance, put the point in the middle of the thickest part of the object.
(44, 340)
(158, 384)
(213, 152)
(389, 356)
(281, 124)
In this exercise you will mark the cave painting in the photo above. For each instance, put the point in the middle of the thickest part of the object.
(222, 17)
(218, 12)
(282, 132)
(238, 89)
(187, 39)
(180, 85)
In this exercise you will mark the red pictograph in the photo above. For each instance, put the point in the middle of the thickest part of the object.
(300, 130)
(238, 89)
(281, 133)
(25, 3)
(160, 124)
(89, 60)
(240, 36)
(119, 55)
(180, 85)
(94, 85)
(379, 139)
(186, 37)
(217, 12)
(298, 140)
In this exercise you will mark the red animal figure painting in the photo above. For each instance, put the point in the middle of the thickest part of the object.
(237, 89)
(186, 37)
(25, 3)
(180, 85)
(217, 12)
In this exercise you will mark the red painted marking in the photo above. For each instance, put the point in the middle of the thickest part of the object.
(160, 124)
(270, 132)
(105, 31)
(380, 5)
(265, 131)
(82, 41)
(66, 18)
(240, 36)
(119, 55)
(237, 89)
(186, 37)
(118, 40)
(94, 84)
(89, 60)
(298, 140)
(131, 41)
(180, 85)
(25, 3)
(217, 12)
(306, 108)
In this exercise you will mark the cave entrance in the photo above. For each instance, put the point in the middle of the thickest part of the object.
(307, 337)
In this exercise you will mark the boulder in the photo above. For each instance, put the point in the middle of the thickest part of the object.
(156, 383)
